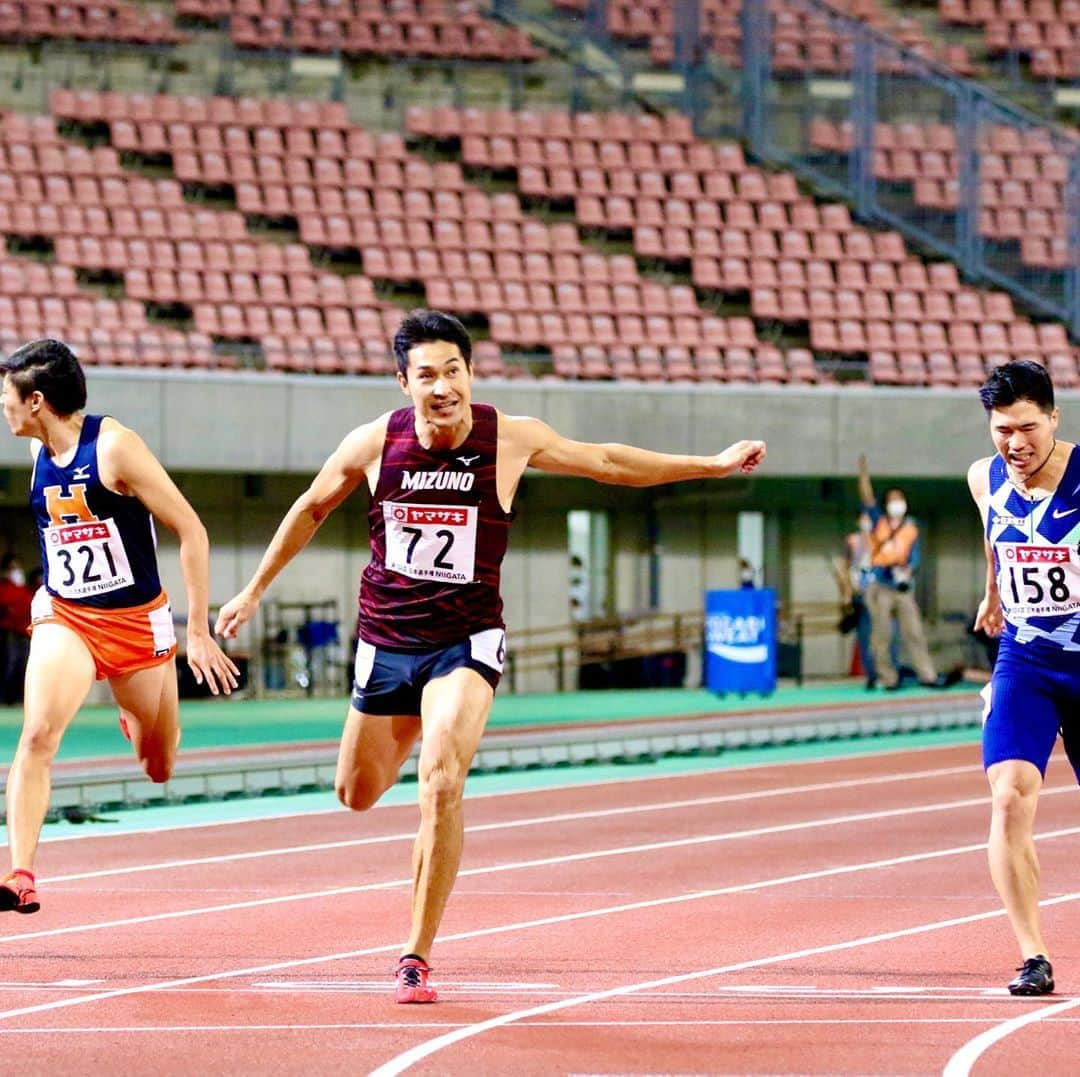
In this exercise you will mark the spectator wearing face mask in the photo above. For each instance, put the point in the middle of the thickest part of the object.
(895, 554)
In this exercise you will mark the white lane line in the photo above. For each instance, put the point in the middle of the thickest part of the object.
(560, 788)
(409, 1058)
(551, 861)
(55, 1033)
(763, 884)
(543, 820)
(961, 1062)
(22, 985)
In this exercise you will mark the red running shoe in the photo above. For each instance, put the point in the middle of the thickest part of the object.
(17, 892)
(412, 985)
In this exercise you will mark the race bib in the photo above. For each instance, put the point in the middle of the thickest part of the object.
(87, 559)
(1038, 581)
(431, 542)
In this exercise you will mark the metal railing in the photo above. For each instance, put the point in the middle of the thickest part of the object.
(778, 108)
(965, 140)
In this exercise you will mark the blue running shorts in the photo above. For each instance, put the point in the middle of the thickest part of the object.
(1033, 695)
(392, 682)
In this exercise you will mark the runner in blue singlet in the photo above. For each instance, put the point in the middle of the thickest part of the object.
(1029, 498)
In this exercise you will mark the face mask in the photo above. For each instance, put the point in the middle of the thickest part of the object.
(16, 576)
(864, 525)
(896, 509)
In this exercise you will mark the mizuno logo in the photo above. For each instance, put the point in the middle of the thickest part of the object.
(1060, 514)
(82, 472)
(437, 480)
(467, 460)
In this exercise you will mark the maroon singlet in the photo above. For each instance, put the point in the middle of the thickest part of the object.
(438, 538)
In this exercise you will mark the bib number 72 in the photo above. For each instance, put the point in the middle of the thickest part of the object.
(431, 542)
(439, 559)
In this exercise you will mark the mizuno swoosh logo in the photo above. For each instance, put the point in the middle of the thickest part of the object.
(467, 460)
(1060, 514)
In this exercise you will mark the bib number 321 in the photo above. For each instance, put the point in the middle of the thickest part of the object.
(87, 559)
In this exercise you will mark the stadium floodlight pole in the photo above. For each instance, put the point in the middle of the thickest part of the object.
(757, 68)
(1072, 250)
(861, 177)
(687, 34)
(969, 119)
(596, 24)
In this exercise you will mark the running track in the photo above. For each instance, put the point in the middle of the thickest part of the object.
(830, 917)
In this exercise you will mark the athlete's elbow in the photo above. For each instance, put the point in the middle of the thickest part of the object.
(193, 534)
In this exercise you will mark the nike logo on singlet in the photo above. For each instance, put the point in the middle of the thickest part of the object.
(1060, 514)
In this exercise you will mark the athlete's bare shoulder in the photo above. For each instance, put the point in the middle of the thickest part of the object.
(362, 446)
(118, 443)
(523, 431)
(978, 478)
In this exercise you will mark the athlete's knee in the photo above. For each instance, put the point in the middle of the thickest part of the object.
(39, 741)
(1012, 802)
(359, 796)
(158, 765)
(442, 787)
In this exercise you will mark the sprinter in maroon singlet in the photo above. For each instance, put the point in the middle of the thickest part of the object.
(442, 474)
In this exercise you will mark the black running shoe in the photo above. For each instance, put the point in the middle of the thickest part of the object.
(1036, 977)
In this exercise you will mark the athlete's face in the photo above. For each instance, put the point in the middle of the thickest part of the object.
(439, 383)
(18, 412)
(1024, 435)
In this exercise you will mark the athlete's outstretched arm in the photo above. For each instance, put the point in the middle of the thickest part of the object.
(343, 471)
(621, 465)
(129, 467)
(989, 616)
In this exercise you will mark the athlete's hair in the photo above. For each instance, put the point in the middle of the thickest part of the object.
(421, 326)
(50, 368)
(1022, 379)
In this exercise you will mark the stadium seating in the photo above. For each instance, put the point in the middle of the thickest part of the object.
(743, 231)
(1021, 179)
(85, 20)
(410, 220)
(389, 28)
(1047, 32)
(691, 208)
(803, 41)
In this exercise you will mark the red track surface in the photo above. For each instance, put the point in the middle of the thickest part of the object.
(808, 918)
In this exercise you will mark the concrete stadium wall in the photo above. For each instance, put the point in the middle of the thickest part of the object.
(243, 447)
(266, 424)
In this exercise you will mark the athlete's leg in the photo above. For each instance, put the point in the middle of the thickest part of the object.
(455, 710)
(1014, 865)
(373, 747)
(59, 674)
(149, 703)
